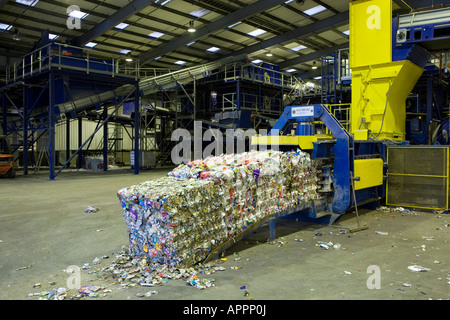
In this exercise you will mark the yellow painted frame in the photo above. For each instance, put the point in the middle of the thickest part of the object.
(369, 171)
(447, 176)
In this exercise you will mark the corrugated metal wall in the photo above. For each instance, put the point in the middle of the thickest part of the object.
(88, 128)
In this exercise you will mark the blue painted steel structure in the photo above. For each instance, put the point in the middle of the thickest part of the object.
(337, 157)
(55, 74)
(415, 35)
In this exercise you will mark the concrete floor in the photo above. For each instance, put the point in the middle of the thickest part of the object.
(43, 230)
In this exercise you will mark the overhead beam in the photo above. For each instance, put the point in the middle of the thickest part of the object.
(2, 3)
(113, 20)
(299, 33)
(312, 56)
(214, 26)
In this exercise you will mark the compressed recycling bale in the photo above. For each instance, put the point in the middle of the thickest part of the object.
(178, 219)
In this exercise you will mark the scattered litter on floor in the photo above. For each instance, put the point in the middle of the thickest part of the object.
(441, 211)
(406, 285)
(416, 268)
(90, 209)
(327, 245)
(395, 210)
(382, 233)
(146, 294)
(93, 291)
(24, 268)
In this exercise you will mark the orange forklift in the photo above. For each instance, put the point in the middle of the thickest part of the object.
(6, 159)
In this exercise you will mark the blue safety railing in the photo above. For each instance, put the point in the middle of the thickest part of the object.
(63, 56)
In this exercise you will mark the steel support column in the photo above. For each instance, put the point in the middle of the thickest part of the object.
(25, 101)
(238, 95)
(136, 129)
(429, 107)
(80, 141)
(105, 139)
(51, 126)
(68, 139)
(5, 114)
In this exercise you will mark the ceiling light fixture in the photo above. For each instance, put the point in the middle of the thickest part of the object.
(191, 26)
(269, 54)
(314, 66)
(16, 35)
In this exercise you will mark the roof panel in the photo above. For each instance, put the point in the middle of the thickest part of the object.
(173, 19)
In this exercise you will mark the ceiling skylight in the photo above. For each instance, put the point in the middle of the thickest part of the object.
(298, 48)
(256, 32)
(199, 13)
(315, 10)
(30, 3)
(90, 44)
(52, 36)
(5, 26)
(78, 14)
(347, 32)
(213, 49)
(122, 25)
(156, 34)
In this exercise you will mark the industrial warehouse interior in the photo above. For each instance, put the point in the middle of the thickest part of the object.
(236, 151)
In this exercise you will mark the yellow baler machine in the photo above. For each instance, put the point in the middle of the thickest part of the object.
(377, 116)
